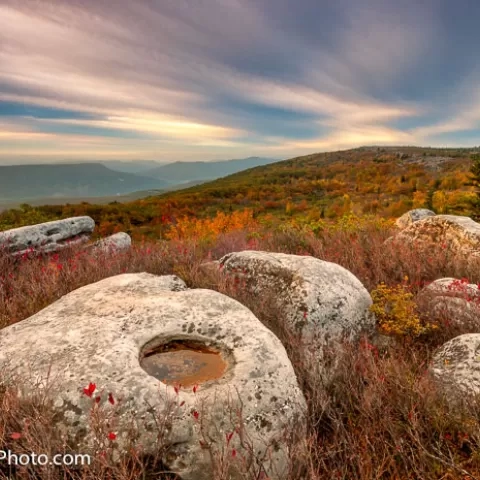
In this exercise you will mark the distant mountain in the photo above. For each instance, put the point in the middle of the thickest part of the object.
(70, 180)
(138, 167)
(183, 172)
(6, 204)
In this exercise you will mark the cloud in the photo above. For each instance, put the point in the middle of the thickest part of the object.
(224, 77)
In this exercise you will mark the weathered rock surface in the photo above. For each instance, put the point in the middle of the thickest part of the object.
(413, 216)
(456, 366)
(460, 235)
(118, 242)
(321, 300)
(47, 237)
(452, 300)
(98, 333)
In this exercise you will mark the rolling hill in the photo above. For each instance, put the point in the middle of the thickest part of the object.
(369, 180)
(182, 172)
(138, 167)
(385, 182)
(69, 180)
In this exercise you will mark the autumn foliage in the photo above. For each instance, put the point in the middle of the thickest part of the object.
(210, 228)
(396, 311)
(385, 182)
(382, 416)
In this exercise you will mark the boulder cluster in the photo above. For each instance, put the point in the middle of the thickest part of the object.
(92, 343)
(51, 237)
(456, 365)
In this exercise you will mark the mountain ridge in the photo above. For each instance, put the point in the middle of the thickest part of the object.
(69, 180)
(182, 172)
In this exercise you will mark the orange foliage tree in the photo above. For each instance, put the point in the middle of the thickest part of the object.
(209, 228)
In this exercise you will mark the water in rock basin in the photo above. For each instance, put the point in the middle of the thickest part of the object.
(183, 363)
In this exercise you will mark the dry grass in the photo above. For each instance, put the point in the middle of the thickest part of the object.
(379, 418)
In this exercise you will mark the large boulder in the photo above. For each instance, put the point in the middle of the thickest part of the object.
(413, 216)
(456, 367)
(107, 332)
(451, 300)
(319, 300)
(459, 235)
(47, 237)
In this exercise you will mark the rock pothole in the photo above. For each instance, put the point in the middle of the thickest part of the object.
(183, 362)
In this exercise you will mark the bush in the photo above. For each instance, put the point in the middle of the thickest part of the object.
(396, 311)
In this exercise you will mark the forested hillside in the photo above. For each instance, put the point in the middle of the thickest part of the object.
(385, 182)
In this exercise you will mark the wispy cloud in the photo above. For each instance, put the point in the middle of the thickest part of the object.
(189, 79)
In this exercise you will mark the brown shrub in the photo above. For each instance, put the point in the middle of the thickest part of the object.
(381, 416)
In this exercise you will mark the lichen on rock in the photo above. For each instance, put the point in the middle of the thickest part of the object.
(97, 334)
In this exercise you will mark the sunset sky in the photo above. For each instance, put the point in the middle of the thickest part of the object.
(215, 79)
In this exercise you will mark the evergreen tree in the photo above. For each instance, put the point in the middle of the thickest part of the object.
(474, 181)
(431, 193)
(429, 199)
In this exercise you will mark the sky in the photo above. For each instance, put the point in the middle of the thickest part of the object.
(173, 80)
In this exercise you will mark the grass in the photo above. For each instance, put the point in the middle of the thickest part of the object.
(379, 417)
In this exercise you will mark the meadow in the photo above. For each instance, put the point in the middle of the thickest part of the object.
(382, 416)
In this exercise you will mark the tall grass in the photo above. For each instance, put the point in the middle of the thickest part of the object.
(380, 417)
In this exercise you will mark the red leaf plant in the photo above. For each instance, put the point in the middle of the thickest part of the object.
(88, 391)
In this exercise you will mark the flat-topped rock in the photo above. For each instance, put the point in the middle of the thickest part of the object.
(118, 333)
(47, 237)
(413, 216)
(320, 300)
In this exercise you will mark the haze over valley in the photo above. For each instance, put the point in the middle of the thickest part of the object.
(39, 184)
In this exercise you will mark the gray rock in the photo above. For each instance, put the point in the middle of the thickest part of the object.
(117, 242)
(413, 216)
(320, 300)
(382, 342)
(451, 300)
(452, 287)
(47, 237)
(456, 367)
(461, 235)
(98, 333)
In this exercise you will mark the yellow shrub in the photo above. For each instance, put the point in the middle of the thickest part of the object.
(349, 223)
(396, 312)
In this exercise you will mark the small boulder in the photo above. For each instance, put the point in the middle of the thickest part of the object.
(112, 334)
(320, 300)
(118, 242)
(413, 216)
(452, 300)
(456, 367)
(47, 237)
